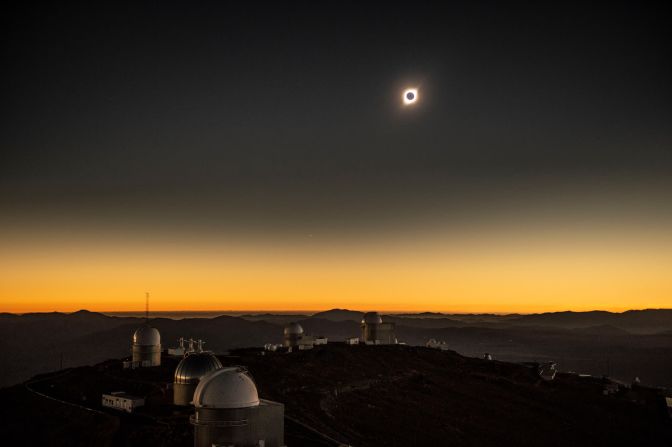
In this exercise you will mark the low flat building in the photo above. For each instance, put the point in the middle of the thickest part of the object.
(120, 400)
(352, 341)
(180, 350)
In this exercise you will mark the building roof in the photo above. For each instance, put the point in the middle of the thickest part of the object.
(147, 336)
(229, 387)
(196, 365)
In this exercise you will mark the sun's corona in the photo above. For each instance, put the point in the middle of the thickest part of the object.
(410, 96)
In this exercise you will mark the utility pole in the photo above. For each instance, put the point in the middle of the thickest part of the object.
(147, 307)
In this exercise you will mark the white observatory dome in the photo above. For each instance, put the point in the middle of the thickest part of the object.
(372, 318)
(293, 329)
(147, 336)
(226, 388)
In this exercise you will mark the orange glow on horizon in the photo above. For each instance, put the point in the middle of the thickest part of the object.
(501, 275)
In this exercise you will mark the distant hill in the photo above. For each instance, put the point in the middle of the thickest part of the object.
(602, 330)
(340, 315)
(427, 323)
(592, 342)
(334, 330)
(646, 321)
(274, 318)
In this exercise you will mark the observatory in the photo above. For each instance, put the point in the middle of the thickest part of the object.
(146, 347)
(293, 334)
(230, 413)
(375, 332)
(189, 371)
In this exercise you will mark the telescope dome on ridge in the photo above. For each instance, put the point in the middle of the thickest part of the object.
(372, 318)
(293, 329)
(146, 336)
(228, 387)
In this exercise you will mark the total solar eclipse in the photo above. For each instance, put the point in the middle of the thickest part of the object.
(410, 96)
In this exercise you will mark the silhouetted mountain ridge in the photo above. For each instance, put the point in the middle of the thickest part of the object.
(594, 342)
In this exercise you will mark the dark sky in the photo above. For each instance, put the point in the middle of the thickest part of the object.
(288, 115)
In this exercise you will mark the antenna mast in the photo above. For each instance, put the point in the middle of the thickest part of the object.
(147, 307)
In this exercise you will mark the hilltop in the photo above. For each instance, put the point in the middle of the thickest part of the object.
(360, 395)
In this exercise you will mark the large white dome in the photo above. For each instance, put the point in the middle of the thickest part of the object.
(293, 329)
(372, 318)
(147, 336)
(226, 388)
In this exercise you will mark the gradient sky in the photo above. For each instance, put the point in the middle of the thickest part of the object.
(258, 157)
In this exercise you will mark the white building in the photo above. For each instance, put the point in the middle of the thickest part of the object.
(146, 348)
(180, 350)
(352, 341)
(120, 400)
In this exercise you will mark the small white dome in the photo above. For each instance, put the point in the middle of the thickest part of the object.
(147, 336)
(226, 388)
(293, 329)
(372, 318)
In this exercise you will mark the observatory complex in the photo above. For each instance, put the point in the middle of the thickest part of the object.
(375, 332)
(228, 412)
(195, 364)
(295, 337)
